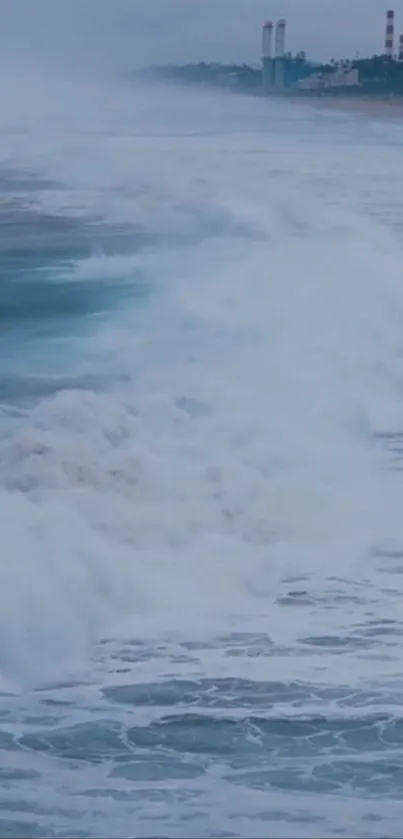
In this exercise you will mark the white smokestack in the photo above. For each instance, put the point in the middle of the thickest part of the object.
(280, 39)
(267, 39)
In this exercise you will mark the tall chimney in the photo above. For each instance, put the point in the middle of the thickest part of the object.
(279, 55)
(267, 39)
(279, 49)
(390, 33)
(401, 48)
(267, 56)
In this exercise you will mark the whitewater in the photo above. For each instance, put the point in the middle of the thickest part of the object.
(201, 454)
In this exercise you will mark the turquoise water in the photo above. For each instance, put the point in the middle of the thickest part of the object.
(200, 461)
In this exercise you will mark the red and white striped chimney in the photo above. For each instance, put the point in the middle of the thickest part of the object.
(390, 33)
(401, 48)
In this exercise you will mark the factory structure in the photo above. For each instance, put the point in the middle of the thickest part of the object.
(273, 64)
(281, 73)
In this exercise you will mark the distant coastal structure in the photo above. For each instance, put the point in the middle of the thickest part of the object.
(273, 65)
(282, 74)
(390, 33)
(297, 74)
(267, 56)
(343, 76)
(280, 71)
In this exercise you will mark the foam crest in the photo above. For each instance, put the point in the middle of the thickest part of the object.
(233, 445)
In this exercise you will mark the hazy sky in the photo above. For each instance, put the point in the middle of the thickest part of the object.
(124, 33)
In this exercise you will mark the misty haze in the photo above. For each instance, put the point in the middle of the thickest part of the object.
(201, 451)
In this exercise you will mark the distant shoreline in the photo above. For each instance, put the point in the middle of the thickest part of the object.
(361, 100)
(370, 105)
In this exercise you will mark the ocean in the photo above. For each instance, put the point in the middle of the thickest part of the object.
(201, 454)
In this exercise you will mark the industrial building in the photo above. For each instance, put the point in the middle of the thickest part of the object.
(281, 73)
(341, 77)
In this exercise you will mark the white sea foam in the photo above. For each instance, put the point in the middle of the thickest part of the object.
(234, 448)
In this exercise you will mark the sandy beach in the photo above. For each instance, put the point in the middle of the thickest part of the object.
(371, 106)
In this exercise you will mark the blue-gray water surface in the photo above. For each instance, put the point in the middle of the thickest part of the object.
(201, 571)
